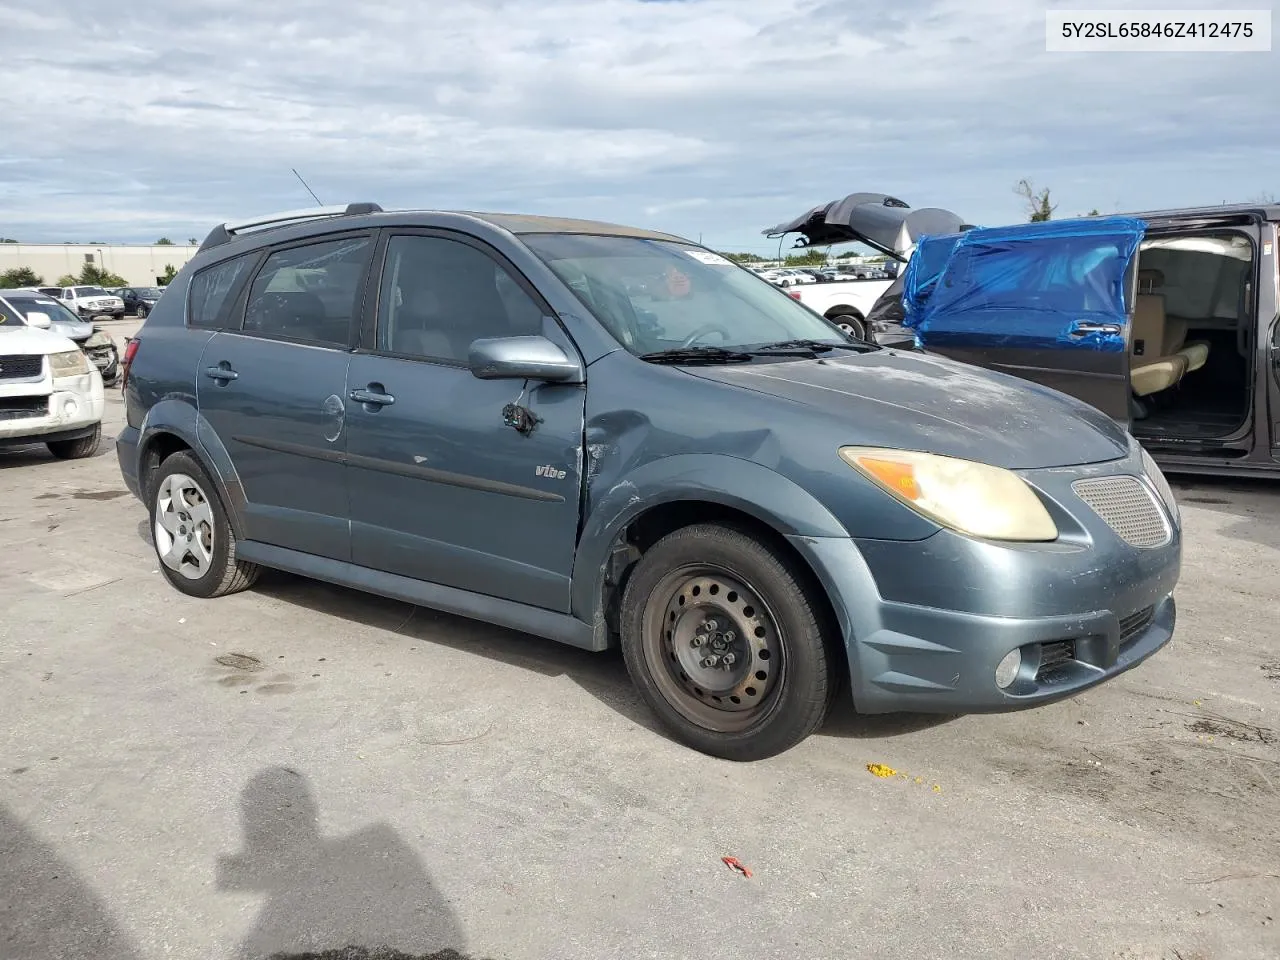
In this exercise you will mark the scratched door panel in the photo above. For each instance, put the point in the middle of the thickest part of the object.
(443, 490)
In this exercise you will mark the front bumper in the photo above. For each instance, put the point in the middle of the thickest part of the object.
(926, 622)
(77, 405)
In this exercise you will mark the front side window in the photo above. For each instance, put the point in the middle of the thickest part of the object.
(210, 296)
(438, 295)
(309, 293)
(656, 295)
(90, 292)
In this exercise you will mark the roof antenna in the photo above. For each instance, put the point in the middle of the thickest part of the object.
(309, 190)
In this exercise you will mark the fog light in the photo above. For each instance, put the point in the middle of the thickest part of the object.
(71, 408)
(1007, 669)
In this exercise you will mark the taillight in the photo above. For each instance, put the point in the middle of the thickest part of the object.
(130, 351)
(793, 294)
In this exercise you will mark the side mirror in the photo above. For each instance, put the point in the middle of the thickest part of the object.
(522, 358)
(36, 318)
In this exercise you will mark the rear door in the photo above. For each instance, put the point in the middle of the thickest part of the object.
(1051, 309)
(273, 388)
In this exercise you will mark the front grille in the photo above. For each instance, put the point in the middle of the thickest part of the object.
(1054, 655)
(23, 408)
(1135, 623)
(21, 367)
(1128, 507)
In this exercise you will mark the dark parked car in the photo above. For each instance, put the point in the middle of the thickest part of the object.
(1166, 320)
(138, 301)
(504, 417)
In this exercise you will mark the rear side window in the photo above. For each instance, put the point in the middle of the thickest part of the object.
(309, 293)
(212, 291)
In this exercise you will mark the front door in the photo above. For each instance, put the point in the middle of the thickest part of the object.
(1051, 308)
(442, 488)
(274, 390)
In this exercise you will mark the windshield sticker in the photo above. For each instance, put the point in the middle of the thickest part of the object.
(706, 256)
(1266, 249)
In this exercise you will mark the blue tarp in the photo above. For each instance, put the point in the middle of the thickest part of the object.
(1027, 285)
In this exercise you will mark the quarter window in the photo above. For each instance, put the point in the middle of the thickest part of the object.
(211, 291)
(309, 293)
(439, 295)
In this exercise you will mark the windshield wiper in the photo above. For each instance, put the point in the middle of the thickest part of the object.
(806, 347)
(694, 354)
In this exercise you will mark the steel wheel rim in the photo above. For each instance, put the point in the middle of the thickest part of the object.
(183, 527)
(686, 622)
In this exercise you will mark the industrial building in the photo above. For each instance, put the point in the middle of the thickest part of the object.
(139, 264)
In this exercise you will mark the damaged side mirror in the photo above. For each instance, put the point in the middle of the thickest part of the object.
(522, 358)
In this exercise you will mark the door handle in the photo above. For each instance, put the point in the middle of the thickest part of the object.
(1082, 328)
(374, 394)
(220, 373)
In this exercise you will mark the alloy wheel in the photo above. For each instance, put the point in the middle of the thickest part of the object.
(183, 527)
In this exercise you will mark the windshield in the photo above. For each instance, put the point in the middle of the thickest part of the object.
(55, 311)
(147, 293)
(90, 292)
(657, 295)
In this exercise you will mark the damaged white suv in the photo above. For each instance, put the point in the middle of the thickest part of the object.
(49, 391)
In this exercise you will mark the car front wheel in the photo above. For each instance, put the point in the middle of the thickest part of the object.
(141, 311)
(191, 534)
(724, 638)
(77, 449)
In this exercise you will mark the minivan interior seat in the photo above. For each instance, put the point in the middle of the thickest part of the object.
(1196, 353)
(1150, 368)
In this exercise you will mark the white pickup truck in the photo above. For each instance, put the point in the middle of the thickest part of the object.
(847, 302)
(881, 222)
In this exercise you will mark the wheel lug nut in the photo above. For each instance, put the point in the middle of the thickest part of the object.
(709, 625)
(698, 641)
(728, 659)
(710, 662)
(730, 636)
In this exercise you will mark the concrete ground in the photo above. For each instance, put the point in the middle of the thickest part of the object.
(300, 767)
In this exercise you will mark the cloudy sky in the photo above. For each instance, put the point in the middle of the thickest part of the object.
(128, 121)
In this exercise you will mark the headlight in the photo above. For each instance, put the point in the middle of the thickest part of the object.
(973, 498)
(72, 363)
(1156, 476)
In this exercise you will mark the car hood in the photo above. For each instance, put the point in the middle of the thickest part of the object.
(912, 401)
(76, 331)
(27, 340)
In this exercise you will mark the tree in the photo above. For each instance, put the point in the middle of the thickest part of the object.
(810, 258)
(1093, 213)
(735, 257)
(164, 242)
(91, 276)
(21, 277)
(1038, 205)
(7, 240)
(170, 271)
(192, 241)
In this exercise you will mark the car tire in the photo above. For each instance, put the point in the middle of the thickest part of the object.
(852, 324)
(191, 534)
(78, 449)
(708, 590)
(141, 311)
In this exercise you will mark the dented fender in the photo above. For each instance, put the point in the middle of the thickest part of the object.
(716, 478)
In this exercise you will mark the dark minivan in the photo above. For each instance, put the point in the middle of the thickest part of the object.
(611, 436)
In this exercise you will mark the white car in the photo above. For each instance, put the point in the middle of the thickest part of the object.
(92, 301)
(49, 391)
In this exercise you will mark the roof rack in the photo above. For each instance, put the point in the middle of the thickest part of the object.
(224, 232)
